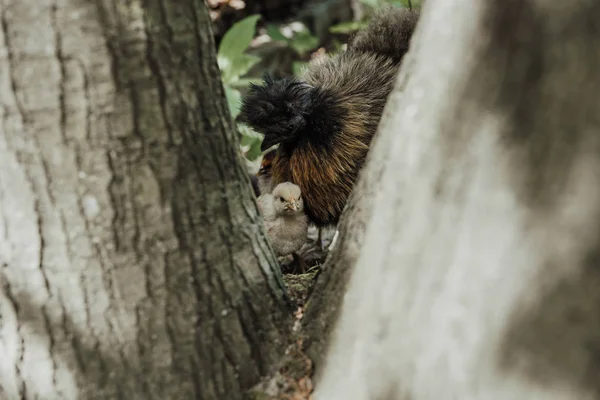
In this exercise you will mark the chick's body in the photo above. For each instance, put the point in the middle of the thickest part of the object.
(285, 221)
(325, 122)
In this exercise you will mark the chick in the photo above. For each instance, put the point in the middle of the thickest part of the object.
(324, 122)
(262, 183)
(286, 223)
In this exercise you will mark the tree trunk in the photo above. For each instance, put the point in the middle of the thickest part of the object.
(479, 275)
(134, 263)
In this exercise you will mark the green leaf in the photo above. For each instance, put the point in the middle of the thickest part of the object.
(371, 3)
(348, 27)
(254, 151)
(236, 40)
(247, 131)
(246, 140)
(303, 42)
(404, 3)
(275, 34)
(239, 67)
(234, 100)
(398, 3)
(298, 67)
(250, 139)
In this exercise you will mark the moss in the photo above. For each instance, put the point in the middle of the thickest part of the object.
(300, 286)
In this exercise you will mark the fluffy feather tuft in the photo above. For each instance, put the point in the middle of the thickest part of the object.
(388, 35)
(287, 109)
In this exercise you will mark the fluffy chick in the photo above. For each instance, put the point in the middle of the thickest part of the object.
(325, 121)
(286, 223)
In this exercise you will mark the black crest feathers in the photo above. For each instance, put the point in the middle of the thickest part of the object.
(284, 109)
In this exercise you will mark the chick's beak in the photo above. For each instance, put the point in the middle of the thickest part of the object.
(291, 206)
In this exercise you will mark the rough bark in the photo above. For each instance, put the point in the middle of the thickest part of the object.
(478, 278)
(134, 264)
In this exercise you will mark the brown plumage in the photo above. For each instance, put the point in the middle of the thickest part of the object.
(264, 174)
(324, 123)
(262, 181)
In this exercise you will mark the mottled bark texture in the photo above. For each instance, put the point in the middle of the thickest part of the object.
(133, 261)
(479, 274)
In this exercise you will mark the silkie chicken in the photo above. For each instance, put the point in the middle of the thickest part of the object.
(325, 121)
(285, 220)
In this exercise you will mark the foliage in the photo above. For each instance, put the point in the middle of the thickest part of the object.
(232, 60)
(353, 26)
(234, 63)
(252, 140)
(348, 27)
(301, 41)
(405, 3)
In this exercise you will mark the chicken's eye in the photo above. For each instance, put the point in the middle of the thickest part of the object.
(281, 199)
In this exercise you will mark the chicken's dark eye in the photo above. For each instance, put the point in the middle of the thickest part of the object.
(281, 199)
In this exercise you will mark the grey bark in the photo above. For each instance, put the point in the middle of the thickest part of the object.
(133, 261)
(478, 277)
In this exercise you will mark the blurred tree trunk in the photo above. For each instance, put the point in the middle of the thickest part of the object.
(479, 273)
(134, 264)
